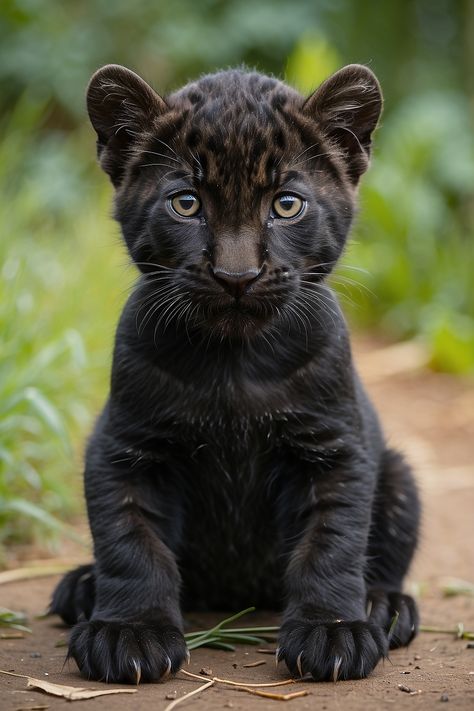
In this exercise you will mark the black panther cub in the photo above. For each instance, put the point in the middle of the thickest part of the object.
(238, 460)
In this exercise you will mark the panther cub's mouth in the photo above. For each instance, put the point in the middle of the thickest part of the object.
(241, 317)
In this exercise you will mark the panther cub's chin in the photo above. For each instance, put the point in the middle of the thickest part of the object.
(236, 322)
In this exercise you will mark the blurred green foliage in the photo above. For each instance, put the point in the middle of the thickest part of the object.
(63, 272)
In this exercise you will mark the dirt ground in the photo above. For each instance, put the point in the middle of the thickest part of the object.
(431, 418)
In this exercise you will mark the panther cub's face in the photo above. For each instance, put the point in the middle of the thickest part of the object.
(235, 195)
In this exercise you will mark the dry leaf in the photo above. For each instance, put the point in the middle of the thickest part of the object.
(73, 693)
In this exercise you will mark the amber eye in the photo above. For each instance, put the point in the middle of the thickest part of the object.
(287, 206)
(185, 204)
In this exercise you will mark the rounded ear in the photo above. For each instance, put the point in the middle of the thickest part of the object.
(348, 106)
(121, 106)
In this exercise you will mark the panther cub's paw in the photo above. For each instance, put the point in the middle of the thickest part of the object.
(331, 650)
(74, 595)
(407, 624)
(397, 613)
(127, 652)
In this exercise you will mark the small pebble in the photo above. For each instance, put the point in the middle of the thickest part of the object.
(444, 697)
(235, 665)
(408, 690)
(417, 657)
(171, 696)
(206, 671)
(417, 667)
(470, 645)
(404, 672)
(35, 655)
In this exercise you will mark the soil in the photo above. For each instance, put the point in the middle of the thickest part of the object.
(430, 417)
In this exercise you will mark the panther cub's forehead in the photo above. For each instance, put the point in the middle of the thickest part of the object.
(240, 124)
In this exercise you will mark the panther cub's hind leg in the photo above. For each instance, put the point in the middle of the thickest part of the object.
(74, 596)
(392, 543)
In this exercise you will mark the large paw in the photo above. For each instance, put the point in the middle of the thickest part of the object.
(74, 595)
(396, 613)
(331, 650)
(127, 652)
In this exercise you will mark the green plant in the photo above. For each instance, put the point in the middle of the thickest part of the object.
(61, 286)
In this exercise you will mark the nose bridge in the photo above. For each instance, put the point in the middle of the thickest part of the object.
(236, 252)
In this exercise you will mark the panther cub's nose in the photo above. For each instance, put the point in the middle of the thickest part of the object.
(236, 283)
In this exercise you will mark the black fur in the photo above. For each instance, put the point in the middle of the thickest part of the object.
(238, 460)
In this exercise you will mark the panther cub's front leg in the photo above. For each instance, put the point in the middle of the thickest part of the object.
(135, 630)
(325, 631)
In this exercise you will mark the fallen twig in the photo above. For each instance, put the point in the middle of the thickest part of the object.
(277, 697)
(43, 571)
(238, 683)
(174, 703)
(241, 686)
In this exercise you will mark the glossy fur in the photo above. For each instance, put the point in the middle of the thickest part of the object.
(238, 460)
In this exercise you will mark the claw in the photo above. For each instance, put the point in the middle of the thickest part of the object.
(337, 668)
(138, 671)
(188, 657)
(298, 664)
(167, 671)
(277, 656)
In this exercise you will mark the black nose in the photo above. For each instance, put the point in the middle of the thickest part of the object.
(236, 283)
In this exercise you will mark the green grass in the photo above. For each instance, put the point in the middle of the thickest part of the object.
(62, 282)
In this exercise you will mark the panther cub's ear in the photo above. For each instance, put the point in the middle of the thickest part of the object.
(348, 106)
(121, 106)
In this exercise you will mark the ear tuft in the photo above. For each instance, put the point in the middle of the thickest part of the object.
(348, 106)
(121, 106)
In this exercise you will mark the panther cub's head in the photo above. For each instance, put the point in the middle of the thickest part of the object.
(235, 194)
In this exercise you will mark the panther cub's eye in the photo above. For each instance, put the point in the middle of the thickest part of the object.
(186, 204)
(287, 206)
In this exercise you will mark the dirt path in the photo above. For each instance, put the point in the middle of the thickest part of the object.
(431, 418)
